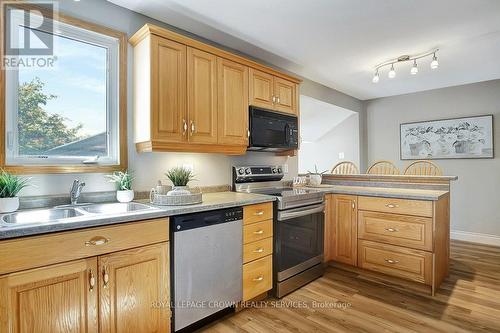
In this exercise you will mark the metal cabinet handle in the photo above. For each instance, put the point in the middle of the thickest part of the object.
(259, 213)
(278, 100)
(259, 250)
(248, 133)
(105, 277)
(192, 127)
(353, 205)
(259, 232)
(392, 229)
(390, 261)
(184, 126)
(258, 279)
(98, 240)
(91, 280)
(392, 205)
(274, 99)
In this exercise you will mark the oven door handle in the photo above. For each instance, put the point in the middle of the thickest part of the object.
(298, 212)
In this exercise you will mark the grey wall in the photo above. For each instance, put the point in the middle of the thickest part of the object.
(211, 169)
(475, 196)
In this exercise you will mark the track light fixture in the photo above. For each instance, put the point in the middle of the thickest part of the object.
(405, 58)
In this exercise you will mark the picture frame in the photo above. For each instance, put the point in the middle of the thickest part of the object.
(452, 138)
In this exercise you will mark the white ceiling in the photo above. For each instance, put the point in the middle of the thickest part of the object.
(317, 118)
(338, 42)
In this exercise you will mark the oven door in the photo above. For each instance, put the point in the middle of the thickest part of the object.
(299, 241)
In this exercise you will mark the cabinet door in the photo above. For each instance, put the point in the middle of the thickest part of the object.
(168, 91)
(285, 92)
(261, 89)
(345, 235)
(202, 96)
(232, 82)
(134, 290)
(56, 298)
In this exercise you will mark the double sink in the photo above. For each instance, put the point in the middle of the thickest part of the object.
(71, 213)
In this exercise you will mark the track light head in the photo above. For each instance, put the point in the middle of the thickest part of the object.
(376, 77)
(392, 72)
(434, 62)
(414, 68)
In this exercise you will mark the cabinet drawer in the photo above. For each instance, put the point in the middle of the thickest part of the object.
(398, 206)
(398, 261)
(257, 277)
(257, 231)
(258, 249)
(404, 230)
(257, 213)
(36, 251)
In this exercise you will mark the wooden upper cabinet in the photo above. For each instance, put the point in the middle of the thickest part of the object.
(168, 95)
(134, 290)
(232, 83)
(202, 96)
(344, 229)
(56, 298)
(261, 87)
(272, 92)
(286, 96)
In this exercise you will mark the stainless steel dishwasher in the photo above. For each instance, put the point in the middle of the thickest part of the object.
(207, 264)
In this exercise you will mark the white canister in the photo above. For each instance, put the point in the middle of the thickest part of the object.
(315, 180)
(125, 195)
(8, 205)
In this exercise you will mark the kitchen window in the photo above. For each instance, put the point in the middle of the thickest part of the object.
(70, 116)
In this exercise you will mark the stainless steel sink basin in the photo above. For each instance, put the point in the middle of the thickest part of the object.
(38, 216)
(115, 208)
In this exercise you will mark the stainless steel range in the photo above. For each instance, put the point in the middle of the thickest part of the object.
(298, 225)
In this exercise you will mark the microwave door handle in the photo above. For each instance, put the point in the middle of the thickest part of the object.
(287, 136)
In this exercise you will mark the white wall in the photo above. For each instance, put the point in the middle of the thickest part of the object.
(475, 196)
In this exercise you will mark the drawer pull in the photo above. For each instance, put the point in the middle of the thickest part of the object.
(390, 261)
(105, 277)
(392, 229)
(258, 232)
(259, 213)
(392, 205)
(259, 250)
(258, 279)
(91, 280)
(98, 240)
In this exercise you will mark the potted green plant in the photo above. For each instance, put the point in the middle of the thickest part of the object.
(123, 179)
(179, 177)
(10, 186)
(315, 178)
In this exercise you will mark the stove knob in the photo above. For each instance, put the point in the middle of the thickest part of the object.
(248, 171)
(279, 170)
(241, 171)
(275, 170)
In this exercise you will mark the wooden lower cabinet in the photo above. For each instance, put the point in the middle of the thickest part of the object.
(405, 238)
(134, 290)
(56, 298)
(344, 229)
(119, 292)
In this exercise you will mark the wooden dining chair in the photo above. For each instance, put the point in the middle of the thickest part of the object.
(383, 168)
(345, 168)
(423, 168)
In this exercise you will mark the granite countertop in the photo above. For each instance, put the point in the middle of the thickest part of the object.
(389, 192)
(211, 201)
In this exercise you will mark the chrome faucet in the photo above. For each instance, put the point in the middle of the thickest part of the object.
(76, 190)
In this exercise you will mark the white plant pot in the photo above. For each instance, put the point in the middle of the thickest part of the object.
(8, 205)
(179, 190)
(125, 195)
(315, 180)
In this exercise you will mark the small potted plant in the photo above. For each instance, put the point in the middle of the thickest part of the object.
(124, 193)
(179, 177)
(316, 177)
(10, 186)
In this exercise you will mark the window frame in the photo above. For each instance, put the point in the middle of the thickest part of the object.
(116, 99)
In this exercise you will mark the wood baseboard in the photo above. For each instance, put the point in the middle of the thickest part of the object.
(475, 237)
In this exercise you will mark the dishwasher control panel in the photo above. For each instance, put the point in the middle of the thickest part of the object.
(206, 219)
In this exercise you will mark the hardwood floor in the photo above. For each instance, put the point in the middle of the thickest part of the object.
(468, 301)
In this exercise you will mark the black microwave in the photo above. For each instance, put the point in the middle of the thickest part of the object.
(272, 131)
